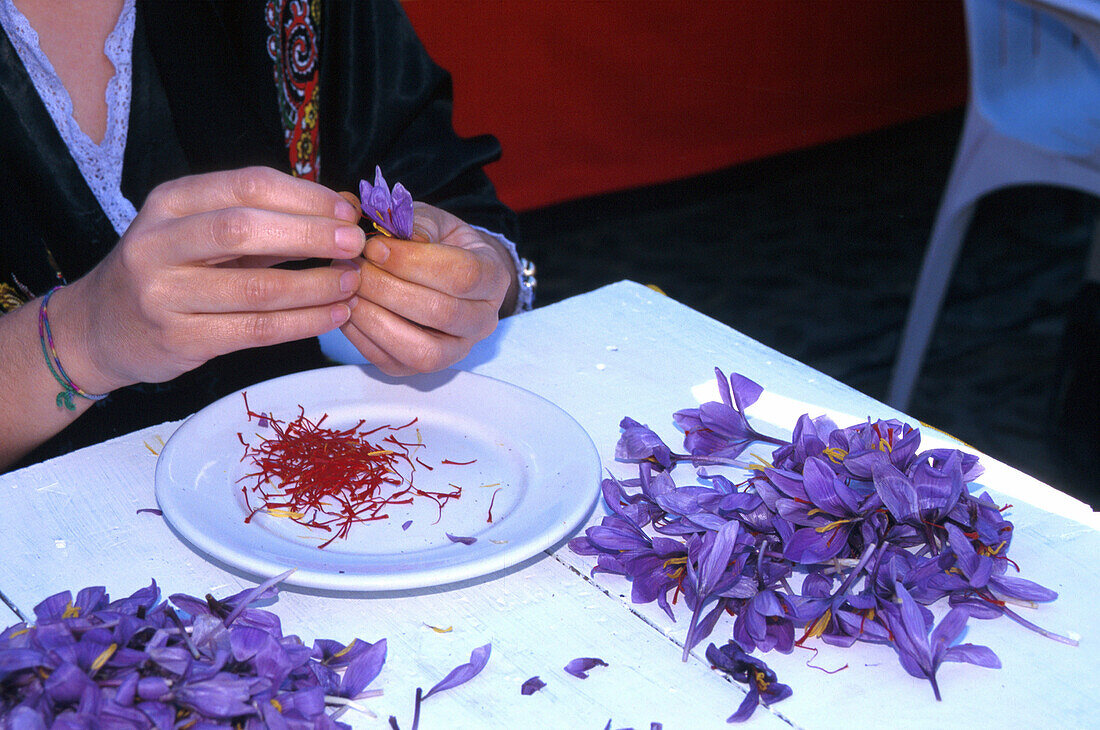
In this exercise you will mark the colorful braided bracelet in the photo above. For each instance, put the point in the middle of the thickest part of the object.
(49, 351)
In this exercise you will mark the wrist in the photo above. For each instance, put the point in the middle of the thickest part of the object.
(69, 345)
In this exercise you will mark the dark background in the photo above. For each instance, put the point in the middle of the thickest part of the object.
(816, 253)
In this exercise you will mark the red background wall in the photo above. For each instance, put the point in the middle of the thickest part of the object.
(590, 96)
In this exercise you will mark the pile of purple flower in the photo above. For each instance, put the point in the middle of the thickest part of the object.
(876, 529)
(138, 663)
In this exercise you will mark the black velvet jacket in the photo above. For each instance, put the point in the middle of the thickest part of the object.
(204, 97)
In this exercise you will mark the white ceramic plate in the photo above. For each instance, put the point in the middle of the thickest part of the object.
(544, 465)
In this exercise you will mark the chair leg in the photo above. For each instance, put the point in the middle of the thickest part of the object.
(939, 262)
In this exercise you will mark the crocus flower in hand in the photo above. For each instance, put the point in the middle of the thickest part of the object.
(391, 212)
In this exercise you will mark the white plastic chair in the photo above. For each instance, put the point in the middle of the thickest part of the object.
(1033, 117)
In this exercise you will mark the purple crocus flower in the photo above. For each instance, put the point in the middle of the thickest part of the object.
(89, 662)
(766, 622)
(897, 528)
(920, 653)
(391, 212)
(655, 565)
(639, 442)
(708, 574)
(761, 680)
(721, 429)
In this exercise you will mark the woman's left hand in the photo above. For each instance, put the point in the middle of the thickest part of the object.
(424, 303)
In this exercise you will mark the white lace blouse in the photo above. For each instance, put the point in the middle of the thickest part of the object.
(100, 164)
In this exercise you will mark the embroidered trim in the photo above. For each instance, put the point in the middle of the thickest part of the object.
(10, 299)
(294, 48)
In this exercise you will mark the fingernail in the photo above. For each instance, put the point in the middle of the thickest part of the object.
(377, 252)
(350, 239)
(349, 281)
(345, 211)
(340, 313)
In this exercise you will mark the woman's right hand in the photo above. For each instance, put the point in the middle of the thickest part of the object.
(192, 278)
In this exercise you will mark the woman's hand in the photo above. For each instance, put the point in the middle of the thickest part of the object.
(191, 278)
(424, 303)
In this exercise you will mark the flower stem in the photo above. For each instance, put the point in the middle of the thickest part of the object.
(1038, 629)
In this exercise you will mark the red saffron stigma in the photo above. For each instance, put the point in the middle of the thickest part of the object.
(491, 501)
(330, 479)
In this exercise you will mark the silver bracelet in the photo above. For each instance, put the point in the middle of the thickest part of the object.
(527, 281)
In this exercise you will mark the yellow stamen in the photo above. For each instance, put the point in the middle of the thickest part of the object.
(382, 452)
(835, 454)
(761, 682)
(71, 611)
(285, 513)
(277, 705)
(496, 484)
(102, 658)
(831, 525)
(760, 464)
(151, 449)
(441, 630)
(345, 650)
(820, 625)
(988, 551)
(20, 632)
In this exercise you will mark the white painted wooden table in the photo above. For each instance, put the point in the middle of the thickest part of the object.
(621, 350)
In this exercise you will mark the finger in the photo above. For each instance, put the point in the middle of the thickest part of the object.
(375, 354)
(217, 290)
(414, 347)
(216, 334)
(353, 199)
(472, 318)
(463, 273)
(222, 235)
(251, 187)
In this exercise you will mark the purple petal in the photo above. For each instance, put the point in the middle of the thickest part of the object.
(947, 630)
(532, 685)
(463, 672)
(406, 524)
(825, 490)
(714, 564)
(463, 540)
(976, 654)
(896, 491)
(809, 546)
(579, 667)
(222, 697)
(402, 212)
(254, 594)
(1021, 589)
(363, 669)
(748, 705)
(745, 391)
